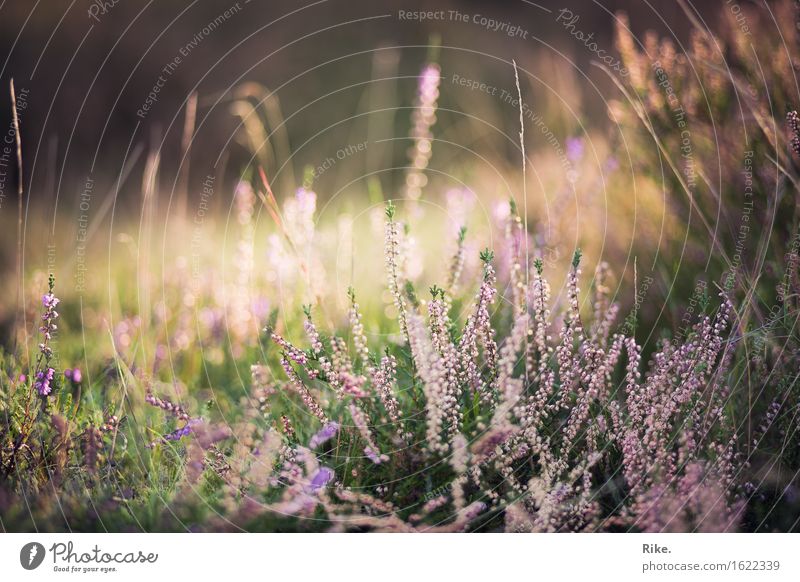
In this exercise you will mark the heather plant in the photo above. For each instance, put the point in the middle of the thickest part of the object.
(519, 415)
(521, 420)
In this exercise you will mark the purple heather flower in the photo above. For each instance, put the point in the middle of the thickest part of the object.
(44, 381)
(22, 378)
(325, 434)
(183, 431)
(74, 375)
(178, 434)
(574, 148)
(44, 373)
(49, 301)
(373, 456)
(321, 478)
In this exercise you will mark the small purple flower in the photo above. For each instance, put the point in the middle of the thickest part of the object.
(574, 148)
(44, 381)
(178, 434)
(325, 434)
(49, 301)
(74, 375)
(44, 373)
(183, 431)
(321, 478)
(374, 457)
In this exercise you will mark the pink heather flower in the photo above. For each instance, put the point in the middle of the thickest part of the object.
(288, 429)
(44, 372)
(516, 237)
(296, 355)
(313, 335)
(375, 457)
(306, 200)
(298, 216)
(383, 380)
(167, 406)
(74, 375)
(352, 384)
(245, 200)
(473, 510)
(793, 121)
(479, 330)
(393, 269)
(296, 384)
(49, 301)
(357, 326)
(438, 323)
(501, 211)
(432, 371)
(361, 421)
(486, 444)
(422, 120)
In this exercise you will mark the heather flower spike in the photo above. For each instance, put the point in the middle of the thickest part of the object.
(44, 381)
(793, 121)
(45, 373)
(393, 270)
(422, 119)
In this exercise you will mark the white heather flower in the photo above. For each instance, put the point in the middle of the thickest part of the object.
(433, 373)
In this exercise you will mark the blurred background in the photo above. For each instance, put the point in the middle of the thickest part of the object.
(141, 118)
